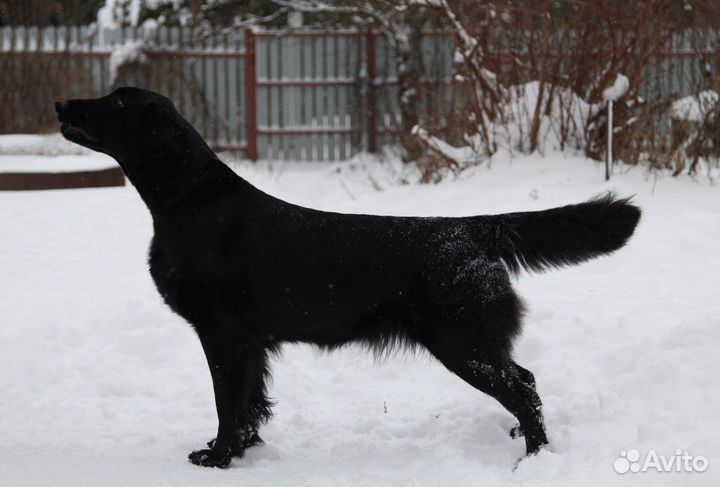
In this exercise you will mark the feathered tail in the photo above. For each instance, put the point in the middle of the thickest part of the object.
(563, 236)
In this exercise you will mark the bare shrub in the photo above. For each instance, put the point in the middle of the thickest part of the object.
(529, 74)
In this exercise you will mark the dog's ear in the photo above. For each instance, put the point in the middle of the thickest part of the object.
(162, 130)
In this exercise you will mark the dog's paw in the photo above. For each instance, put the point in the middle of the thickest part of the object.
(253, 440)
(534, 446)
(531, 454)
(516, 432)
(219, 458)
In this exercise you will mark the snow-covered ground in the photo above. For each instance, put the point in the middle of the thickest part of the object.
(102, 385)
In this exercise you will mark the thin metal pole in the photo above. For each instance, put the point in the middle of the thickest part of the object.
(609, 160)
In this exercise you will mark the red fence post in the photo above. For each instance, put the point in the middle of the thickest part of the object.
(372, 93)
(250, 96)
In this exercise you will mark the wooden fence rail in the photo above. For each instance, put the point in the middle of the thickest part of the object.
(295, 95)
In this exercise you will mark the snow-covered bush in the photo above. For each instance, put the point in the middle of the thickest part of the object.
(695, 108)
(695, 132)
(561, 125)
(537, 75)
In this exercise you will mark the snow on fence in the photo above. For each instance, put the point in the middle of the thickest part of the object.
(301, 95)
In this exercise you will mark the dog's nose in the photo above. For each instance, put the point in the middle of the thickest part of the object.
(61, 106)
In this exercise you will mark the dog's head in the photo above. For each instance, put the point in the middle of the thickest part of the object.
(131, 125)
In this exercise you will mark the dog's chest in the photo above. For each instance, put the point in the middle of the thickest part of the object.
(165, 274)
(182, 287)
(194, 286)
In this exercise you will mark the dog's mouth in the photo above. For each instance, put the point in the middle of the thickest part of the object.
(77, 134)
(71, 131)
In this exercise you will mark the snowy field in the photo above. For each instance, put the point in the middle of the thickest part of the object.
(102, 385)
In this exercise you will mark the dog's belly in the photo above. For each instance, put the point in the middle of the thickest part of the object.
(327, 319)
(333, 302)
(286, 307)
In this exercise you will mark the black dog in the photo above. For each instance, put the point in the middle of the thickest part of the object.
(250, 271)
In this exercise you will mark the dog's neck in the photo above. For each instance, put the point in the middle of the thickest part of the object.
(172, 180)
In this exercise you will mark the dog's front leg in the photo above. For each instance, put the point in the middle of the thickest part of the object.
(236, 369)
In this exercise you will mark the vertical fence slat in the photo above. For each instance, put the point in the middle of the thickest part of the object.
(250, 96)
(241, 108)
(217, 87)
(372, 101)
(229, 102)
(284, 142)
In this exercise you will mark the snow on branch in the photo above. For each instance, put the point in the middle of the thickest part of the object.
(383, 15)
(132, 52)
(471, 52)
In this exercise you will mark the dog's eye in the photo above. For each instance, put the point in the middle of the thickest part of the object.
(119, 104)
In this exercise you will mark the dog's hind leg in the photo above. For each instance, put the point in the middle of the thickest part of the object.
(527, 377)
(480, 355)
(501, 380)
(238, 372)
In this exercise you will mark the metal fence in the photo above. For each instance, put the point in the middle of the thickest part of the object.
(300, 95)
